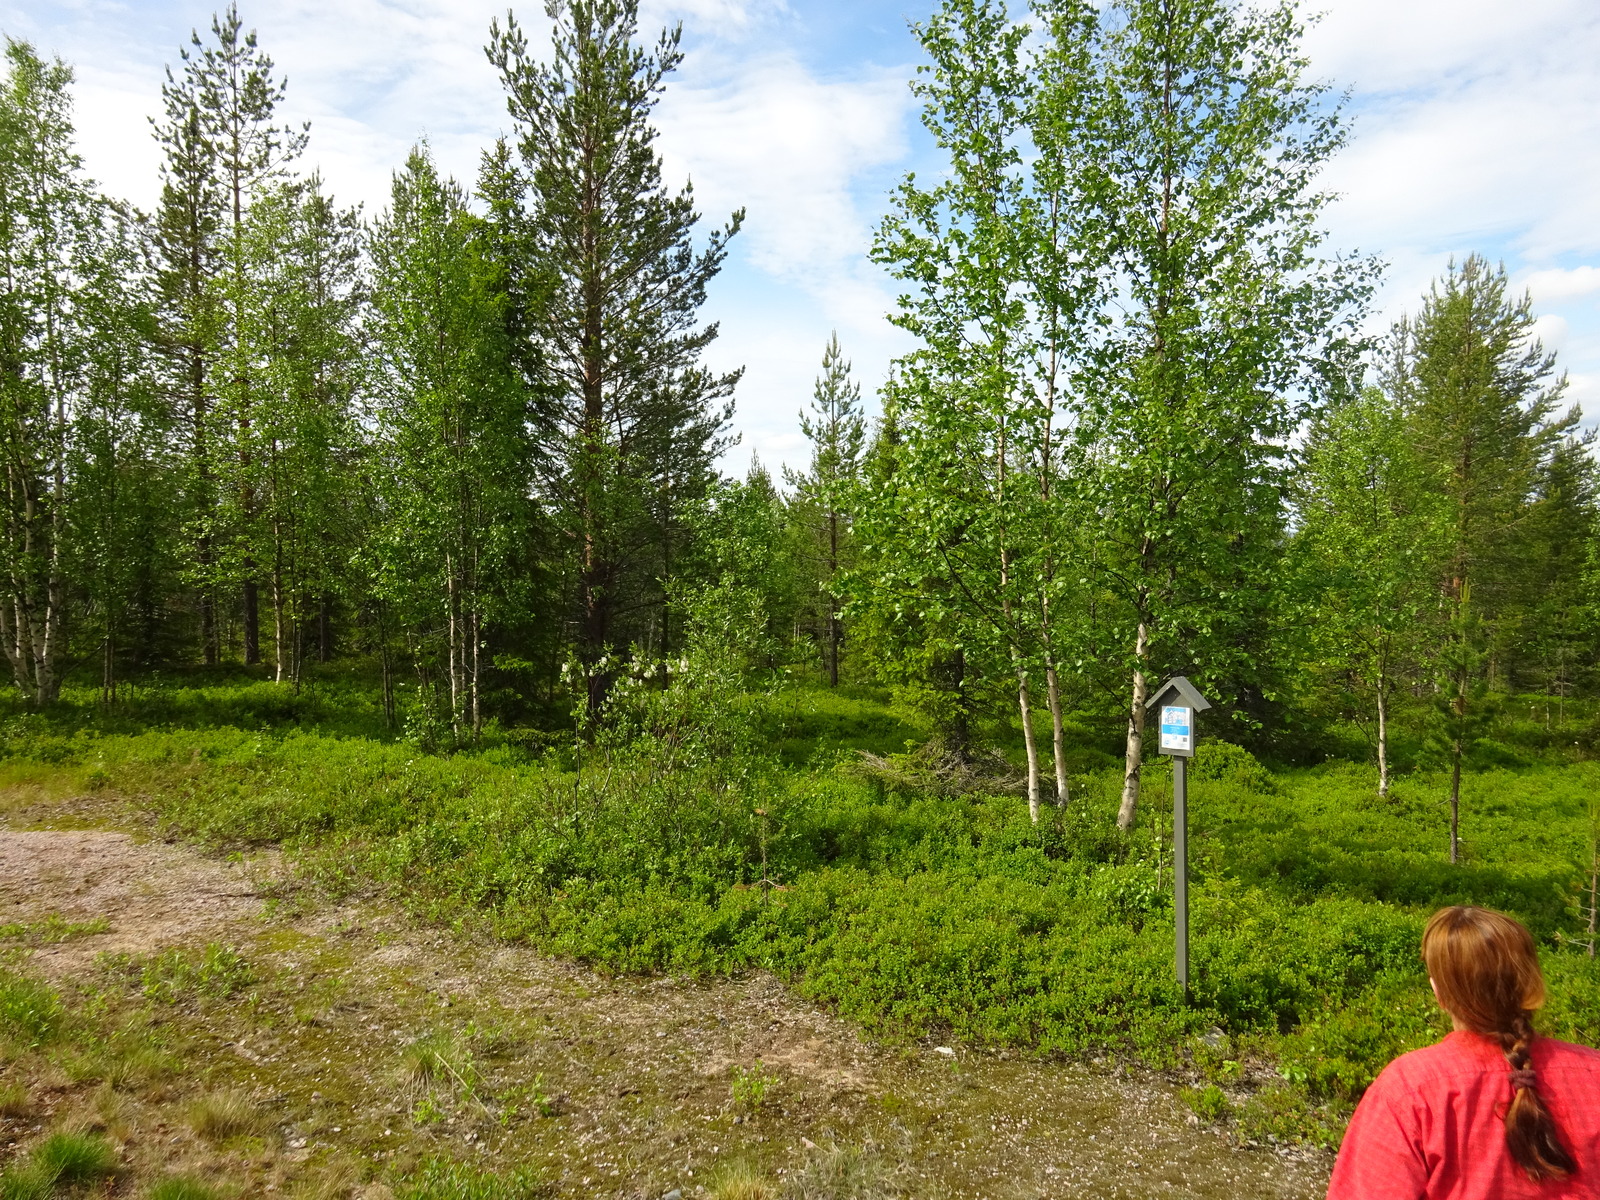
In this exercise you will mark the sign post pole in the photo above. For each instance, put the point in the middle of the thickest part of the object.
(1180, 866)
(1178, 702)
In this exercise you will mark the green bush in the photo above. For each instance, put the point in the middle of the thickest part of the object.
(691, 846)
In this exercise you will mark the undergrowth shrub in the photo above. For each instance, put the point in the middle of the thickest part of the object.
(684, 843)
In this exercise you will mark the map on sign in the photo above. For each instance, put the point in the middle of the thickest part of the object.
(1177, 728)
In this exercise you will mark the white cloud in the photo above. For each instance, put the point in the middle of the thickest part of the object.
(1554, 285)
(788, 146)
(1477, 129)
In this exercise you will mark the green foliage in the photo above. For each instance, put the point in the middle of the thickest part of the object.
(182, 1187)
(1208, 1103)
(177, 976)
(750, 1087)
(915, 911)
(440, 1179)
(29, 1010)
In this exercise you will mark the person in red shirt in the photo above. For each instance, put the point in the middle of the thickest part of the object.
(1492, 1112)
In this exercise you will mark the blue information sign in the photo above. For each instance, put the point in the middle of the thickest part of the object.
(1177, 729)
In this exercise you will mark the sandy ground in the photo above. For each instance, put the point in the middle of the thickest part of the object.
(641, 1068)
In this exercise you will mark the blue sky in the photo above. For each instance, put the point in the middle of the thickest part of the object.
(1477, 129)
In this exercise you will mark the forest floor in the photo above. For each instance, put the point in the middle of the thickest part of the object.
(248, 984)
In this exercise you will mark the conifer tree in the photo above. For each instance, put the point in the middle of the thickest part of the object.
(612, 324)
(1480, 392)
(236, 97)
(824, 493)
(186, 252)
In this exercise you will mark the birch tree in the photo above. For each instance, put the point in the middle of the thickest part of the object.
(1372, 526)
(54, 230)
(453, 447)
(1201, 142)
(304, 261)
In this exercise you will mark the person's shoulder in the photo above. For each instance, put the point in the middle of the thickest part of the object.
(1454, 1055)
(1405, 1072)
(1567, 1055)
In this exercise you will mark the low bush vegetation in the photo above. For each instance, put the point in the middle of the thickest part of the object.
(917, 911)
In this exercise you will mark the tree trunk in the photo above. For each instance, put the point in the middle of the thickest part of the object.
(1455, 802)
(477, 637)
(1134, 755)
(1058, 735)
(325, 629)
(1383, 739)
(833, 602)
(1028, 741)
(453, 609)
(280, 632)
(252, 617)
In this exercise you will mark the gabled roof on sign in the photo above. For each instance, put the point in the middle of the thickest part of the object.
(1180, 691)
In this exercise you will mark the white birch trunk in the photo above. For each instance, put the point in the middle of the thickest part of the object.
(1134, 757)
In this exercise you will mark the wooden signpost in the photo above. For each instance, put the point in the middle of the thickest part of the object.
(1177, 703)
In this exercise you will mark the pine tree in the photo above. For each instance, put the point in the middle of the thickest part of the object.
(185, 249)
(1480, 393)
(612, 323)
(236, 97)
(824, 493)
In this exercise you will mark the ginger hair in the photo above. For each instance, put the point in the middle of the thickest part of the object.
(1485, 970)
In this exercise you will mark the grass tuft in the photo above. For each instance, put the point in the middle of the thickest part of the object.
(439, 1179)
(69, 1159)
(182, 1187)
(29, 1011)
(839, 1173)
(332, 1180)
(14, 1101)
(740, 1180)
(440, 1059)
(223, 1116)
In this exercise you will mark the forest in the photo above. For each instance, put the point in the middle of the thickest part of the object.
(406, 541)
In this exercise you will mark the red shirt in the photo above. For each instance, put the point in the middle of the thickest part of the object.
(1431, 1126)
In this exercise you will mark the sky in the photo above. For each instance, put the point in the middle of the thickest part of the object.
(1476, 129)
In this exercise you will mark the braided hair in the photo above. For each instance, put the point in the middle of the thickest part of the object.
(1485, 969)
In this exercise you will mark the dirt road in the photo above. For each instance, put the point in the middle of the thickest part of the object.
(604, 1087)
